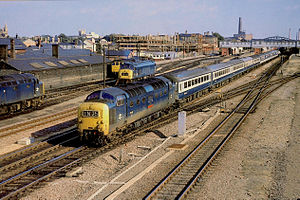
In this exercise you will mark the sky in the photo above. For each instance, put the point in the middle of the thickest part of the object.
(262, 18)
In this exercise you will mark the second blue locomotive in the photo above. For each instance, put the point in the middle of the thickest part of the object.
(20, 91)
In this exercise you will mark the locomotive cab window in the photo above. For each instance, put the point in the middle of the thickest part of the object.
(93, 96)
(120, 100)
(107, 96)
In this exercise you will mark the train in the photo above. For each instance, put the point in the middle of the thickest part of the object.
(19, 92)
(117, 110)
(136, 69)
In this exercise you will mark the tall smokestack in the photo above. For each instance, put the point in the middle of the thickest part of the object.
(289, 33)
(12, 49)
(3, 52)
(299, 34)
(240, 25)
(55, 50)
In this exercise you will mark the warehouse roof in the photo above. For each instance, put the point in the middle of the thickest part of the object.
(19, 45)
(46, 51)
(37, 60)
(118, 53)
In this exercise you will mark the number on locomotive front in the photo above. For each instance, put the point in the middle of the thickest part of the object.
(90, 113)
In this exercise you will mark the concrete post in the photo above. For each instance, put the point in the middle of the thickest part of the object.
(181, 123)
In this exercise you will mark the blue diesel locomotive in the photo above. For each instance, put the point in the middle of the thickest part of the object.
(20, 91)
(123, 108)
(137, 69)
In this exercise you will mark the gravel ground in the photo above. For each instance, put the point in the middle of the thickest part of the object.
(260, 162)
(9, 143)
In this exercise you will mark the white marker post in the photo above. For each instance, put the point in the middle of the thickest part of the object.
(181, 123)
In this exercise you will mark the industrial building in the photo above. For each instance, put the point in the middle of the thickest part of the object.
(183, 42)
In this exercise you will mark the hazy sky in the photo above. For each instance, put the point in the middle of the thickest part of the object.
(262, 18)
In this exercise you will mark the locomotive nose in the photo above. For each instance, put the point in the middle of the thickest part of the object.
(93, 117)
(126, 74)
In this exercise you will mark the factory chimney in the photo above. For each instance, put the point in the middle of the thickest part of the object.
(55, 50)
(12, 48)
(289, 33)
(240, 25)
(3, 52)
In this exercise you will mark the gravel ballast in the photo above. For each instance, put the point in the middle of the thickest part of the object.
(260, 162)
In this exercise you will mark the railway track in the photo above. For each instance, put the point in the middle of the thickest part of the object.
(179, 182)
(59, 95)
(48, 163)
(39, 123)
(56, 163)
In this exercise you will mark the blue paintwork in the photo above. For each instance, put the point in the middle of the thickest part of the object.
(19, 87)
(193, 90)
(143, 98)
(150, 99)
(182, 76)
(140, 68)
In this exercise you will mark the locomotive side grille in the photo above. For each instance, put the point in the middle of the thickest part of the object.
(112, 116)
(134, 91)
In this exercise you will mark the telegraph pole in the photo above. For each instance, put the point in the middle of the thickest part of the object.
(103, 49)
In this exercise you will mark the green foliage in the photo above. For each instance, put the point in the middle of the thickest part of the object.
(220, 37)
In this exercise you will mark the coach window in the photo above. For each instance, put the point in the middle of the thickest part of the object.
(185, 84)
(156, 95)
(144, 100)
(189, 84)
(161, 93)
(138, 102)
(165, 92)
(131, 103)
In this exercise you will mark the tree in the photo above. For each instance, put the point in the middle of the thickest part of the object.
(63, 38)
(220, 37)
